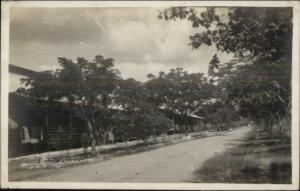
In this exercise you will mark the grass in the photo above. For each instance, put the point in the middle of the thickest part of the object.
(258, 159)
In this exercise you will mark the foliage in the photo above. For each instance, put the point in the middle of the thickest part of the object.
(259, 90)
(223, 115)
(123, 125)
(132, 98)
(265, 32)
(179, 91)
(85, 86)
(151, 123)
(131, 95)
(139, 117)
(258, 81)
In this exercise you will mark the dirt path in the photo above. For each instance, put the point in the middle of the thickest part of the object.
(174, 163)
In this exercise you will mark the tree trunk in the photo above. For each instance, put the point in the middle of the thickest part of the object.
(47, 127)
(173, 121)
(270, 124)
(69, 139)
(92, 136)
(279, 124)
(185, 127)
(94, 152)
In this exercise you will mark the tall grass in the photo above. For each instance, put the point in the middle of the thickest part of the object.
(258, 159)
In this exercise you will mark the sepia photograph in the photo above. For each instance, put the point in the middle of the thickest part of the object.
(150, 95)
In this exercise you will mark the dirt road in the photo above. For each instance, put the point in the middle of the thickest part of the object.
(174, 163)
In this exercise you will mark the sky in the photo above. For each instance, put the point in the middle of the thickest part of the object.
(135, 38)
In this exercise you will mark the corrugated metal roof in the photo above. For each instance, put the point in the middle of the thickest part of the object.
(20, 70)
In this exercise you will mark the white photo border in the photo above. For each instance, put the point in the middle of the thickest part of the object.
(5, 15)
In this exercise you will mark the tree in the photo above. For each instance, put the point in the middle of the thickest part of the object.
(130, 95)
(86, 86)
(255, 89)
(223, 115)
(245, 31)
(131, 98)
(138, 116)
(261, 40)
(179, 92)
(123, 125)
(151, 123)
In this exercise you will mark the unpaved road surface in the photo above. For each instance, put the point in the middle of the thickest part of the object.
(174, 163)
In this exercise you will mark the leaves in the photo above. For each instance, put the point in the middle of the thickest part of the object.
(258, 82)
(179, 91)
(260, 31)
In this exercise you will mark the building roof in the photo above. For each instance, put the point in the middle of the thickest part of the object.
(20, 70)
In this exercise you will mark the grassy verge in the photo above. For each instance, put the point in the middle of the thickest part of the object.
(259, 159)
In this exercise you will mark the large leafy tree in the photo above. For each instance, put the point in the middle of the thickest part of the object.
(151, 123)
(179, 92)
(130, 98)
(130, 95)
(246, 31)
(261, 91)
(257, 82)
(138, 116)
(86, 86)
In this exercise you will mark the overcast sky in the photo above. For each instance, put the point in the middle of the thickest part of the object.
(135, 38)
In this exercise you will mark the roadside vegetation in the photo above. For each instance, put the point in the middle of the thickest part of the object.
(260, 158)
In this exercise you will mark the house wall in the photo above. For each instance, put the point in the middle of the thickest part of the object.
(51, 128)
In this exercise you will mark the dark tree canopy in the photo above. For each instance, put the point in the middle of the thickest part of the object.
(245, 31)
(179, 91)
(258, 81)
